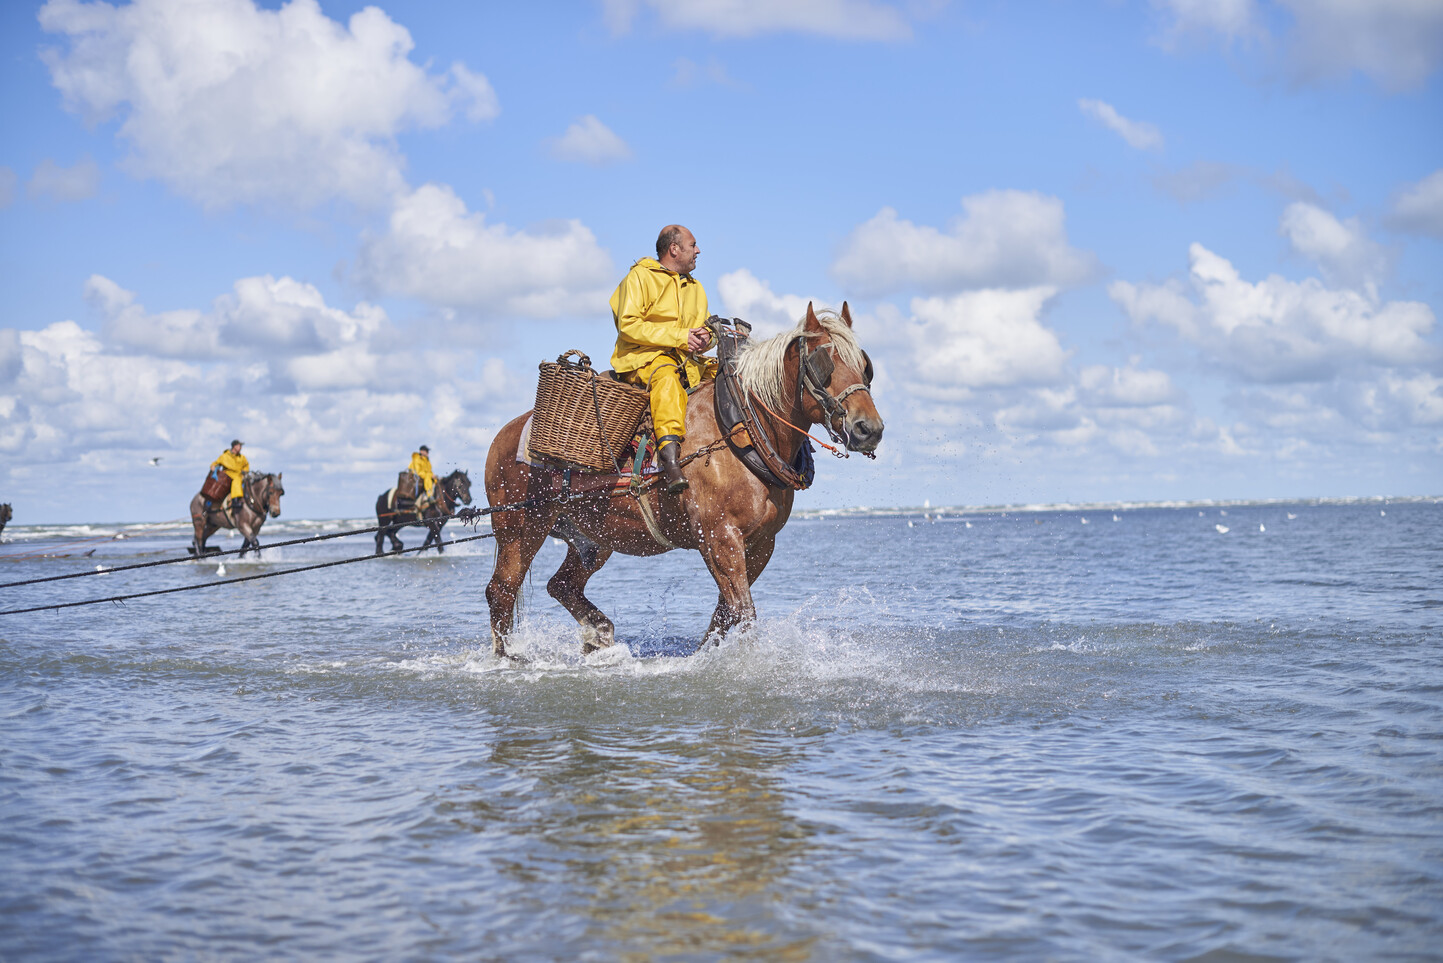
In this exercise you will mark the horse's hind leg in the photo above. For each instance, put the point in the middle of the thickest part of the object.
(568, 586)
(517, 542)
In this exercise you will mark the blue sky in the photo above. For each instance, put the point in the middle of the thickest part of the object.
(1099, 251)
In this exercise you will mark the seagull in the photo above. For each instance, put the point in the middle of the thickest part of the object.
(220, 570)
(1382, 514)
(155, 462)
(1222, 529)
(968, 524)
(1084, 521)
(1116, 519)
(1262, 527)
(1291, 516)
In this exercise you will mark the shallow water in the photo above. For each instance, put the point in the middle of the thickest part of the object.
(992, 735)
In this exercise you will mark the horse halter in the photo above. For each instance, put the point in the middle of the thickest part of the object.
(815, 369)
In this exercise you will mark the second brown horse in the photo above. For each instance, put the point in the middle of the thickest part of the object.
(728, 515)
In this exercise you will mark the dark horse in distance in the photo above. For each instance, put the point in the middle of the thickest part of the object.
(5, 515)
(261, 498)
(728, 514)
(452, 490)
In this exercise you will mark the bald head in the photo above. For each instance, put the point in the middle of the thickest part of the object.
(676, 249)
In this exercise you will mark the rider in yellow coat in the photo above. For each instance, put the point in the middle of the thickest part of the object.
(421, 468)
(235, 466)
(660, 312)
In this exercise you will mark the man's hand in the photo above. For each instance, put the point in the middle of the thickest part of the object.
(698, 339)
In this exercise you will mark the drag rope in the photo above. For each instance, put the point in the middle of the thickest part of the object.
(464, 515)
(233, 581)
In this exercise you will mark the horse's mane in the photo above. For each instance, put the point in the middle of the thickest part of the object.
(761, 364)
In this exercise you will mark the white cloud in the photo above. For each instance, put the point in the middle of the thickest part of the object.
(334, 398)
(985, 339)
(838, 19)
(1341, 249)
(1397, 42)
(228, 103)
(589, 141)
(1276, 329)
(263, 317)
(1233, 19)
(1419, 207)
(1008, 238)
(436, 250)
(748, 297)
(64, 183)
(1128, 387)
(1140, 135)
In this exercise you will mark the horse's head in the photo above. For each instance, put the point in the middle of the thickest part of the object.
(272, 497)
(459, 484)
(5, 514)
(835, 378)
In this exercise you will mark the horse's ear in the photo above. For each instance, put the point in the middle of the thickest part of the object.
(812, 323)
(846, 315)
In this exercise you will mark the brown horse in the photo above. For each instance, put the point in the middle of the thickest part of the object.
(454, 489)
(261, 497)
(728, 514)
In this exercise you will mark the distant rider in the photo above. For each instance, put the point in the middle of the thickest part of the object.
(421, 468)
(660, 312)
(235, 466)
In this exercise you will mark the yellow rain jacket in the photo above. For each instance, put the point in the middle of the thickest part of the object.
(654, 309)
(421, 468)
(235, 467)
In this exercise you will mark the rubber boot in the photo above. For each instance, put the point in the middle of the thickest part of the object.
(666, 453)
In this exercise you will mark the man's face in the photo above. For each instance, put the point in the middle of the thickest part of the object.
(235, 449)
(684, 252)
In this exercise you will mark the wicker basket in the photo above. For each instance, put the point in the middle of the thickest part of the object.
(569, 398)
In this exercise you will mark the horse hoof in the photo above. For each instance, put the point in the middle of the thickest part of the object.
(596, 637)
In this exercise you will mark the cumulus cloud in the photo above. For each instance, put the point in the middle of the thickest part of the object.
(1138, 134)
(335, 398)
(746, 296)
(1346, 255)
(985, 339)
(1007, 238)
(838, 19)
(1398, 43)
(589, 141)
(1233, 19)
(262, 316)
(230, 103)
(1278, 330)
(436, 250)
(64, 183)
(1418, 208)
(1129, 387)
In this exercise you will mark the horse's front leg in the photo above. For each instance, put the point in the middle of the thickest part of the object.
(436, 535)
(519, 536)
(725, 554)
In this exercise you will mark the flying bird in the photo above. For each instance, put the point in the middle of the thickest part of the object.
(155, 462)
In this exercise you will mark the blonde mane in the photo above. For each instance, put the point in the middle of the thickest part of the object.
(761, 364)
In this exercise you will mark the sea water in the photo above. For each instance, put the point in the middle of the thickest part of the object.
(1103, 732)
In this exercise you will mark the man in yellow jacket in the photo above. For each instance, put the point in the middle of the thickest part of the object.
(421, 468)
(660, 312)
(235, 465)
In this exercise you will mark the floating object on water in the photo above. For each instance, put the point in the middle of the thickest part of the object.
(220, 570)
(1116, 519)
(1084, 521)
(968, 524)
(1262, 527)
(909, 523)
(1223, 512)
(100, 568)
(1222, 529)
(1291, 516)
(1381, 513)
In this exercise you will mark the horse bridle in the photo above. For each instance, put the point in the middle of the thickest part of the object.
(262, 511)
(814, 370)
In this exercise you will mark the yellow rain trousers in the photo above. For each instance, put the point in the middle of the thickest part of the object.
(654, 309)
(421, 468)
(235, 467)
